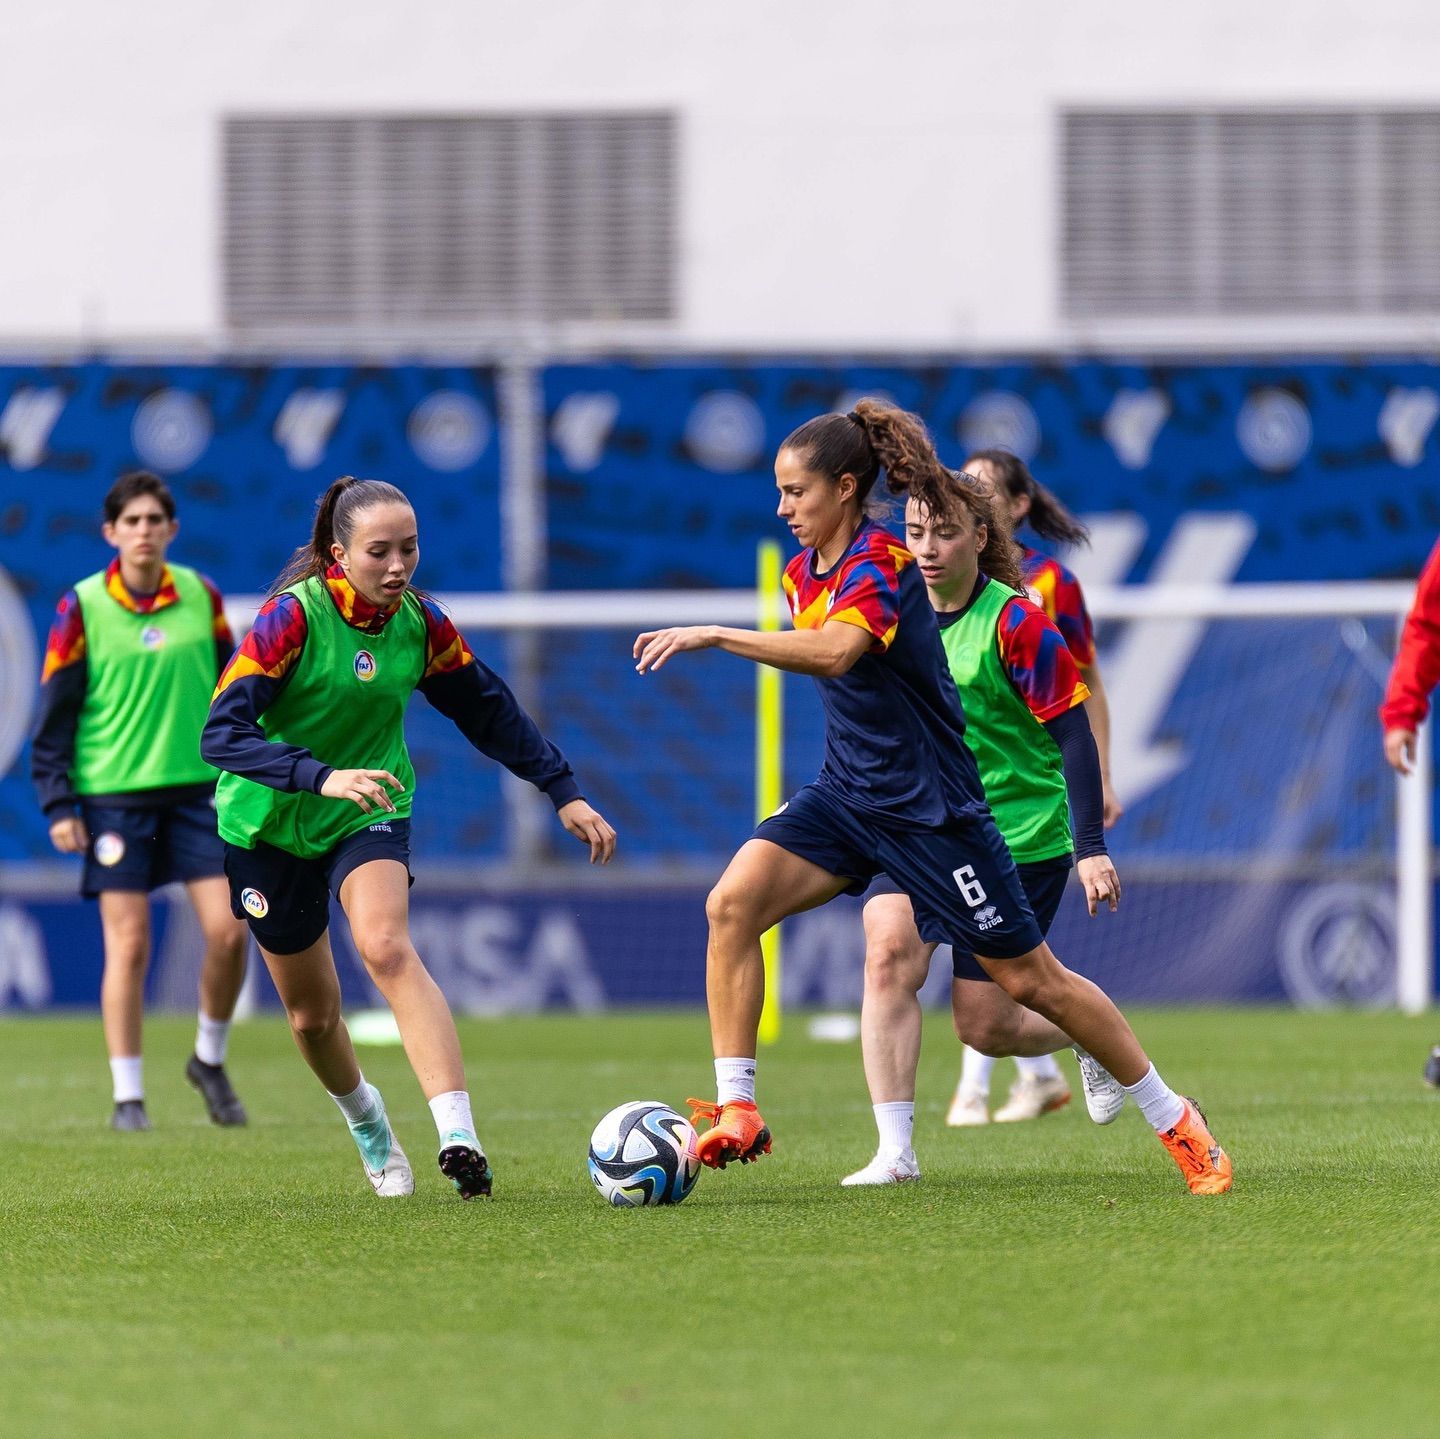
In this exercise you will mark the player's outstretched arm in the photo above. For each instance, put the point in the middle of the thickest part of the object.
(827, 652)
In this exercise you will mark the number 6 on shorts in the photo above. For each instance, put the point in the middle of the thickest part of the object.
(971, 890)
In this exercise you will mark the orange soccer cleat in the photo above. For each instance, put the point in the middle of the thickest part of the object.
(1204, 1164)
(736, 1132)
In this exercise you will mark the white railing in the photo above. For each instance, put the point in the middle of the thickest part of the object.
(520, 612)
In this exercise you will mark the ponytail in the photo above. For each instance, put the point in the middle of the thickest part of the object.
(904, 449)
(872, 437)
(335, 514)
(1048, 517)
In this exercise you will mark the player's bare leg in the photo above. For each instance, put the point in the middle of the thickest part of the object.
(309, 988)
(125, 926)
(1087, 1014)
(222, 973)
(896, 963)
(376, 898)
(988, 1021)
(762, 885)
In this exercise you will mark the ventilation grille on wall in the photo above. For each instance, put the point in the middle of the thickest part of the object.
(1227, 212)
(384, 223)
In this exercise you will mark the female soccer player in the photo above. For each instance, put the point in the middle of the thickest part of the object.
(129, 667)
(1040, 1087)
(307, 725)
(898, 791)
(1025, 724)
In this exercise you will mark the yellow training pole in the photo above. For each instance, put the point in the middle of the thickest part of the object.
(769, 743)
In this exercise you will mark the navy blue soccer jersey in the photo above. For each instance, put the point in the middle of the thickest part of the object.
(893, 723)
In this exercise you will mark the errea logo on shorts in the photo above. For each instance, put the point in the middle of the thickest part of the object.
(988, 917)
(254, 903)
(109, 849)
(364, 667)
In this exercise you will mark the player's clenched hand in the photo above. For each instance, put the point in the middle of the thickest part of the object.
(69, 835)
(654, 647)
(589, 825)
(1102, 884)
(365, 787)
(1399, 750)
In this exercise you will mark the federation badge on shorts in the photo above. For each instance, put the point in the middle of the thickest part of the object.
(254, 903)
(109, 849)
(152, 637)
(364, 666)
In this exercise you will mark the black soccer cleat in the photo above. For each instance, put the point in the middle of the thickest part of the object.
(467, 1169)
(216, 1090)
(130, 1115)
(1432, 1068)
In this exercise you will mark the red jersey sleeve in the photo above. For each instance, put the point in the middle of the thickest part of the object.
(1058, 593)
(270, 650)
(867, 591)
(66, 644)
(1040, 664)
(445, 650)
(1417, 662)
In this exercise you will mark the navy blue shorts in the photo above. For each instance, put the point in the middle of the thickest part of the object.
(141, 849)
(286, 900)
(960, 878)
(1044, 884)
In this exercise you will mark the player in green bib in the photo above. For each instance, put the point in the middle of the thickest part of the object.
(1027, 729)
(129, 667)
(315, 794)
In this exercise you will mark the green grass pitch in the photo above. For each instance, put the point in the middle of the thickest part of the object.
(1051, 1278)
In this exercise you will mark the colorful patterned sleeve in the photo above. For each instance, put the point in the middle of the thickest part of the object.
(1040, 664)
(232, 738)
(867, 594)
(1060, 595)
(66, 644)
(445, 650)
(63, 682)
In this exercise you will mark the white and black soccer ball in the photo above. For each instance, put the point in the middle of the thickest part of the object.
(643, 1153)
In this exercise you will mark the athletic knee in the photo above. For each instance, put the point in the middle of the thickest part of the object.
(388, 955)
(314, 1021)
(893, 964)
(991, 1034)
(728, 908)
(127, 952)
(1038, 987)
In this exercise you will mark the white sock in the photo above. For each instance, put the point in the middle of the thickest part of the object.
(212, 1036)
(1040, 1066)
(975, 1070)
(896, 1124)
(735, 1079)
(127, 1079)
(452, 1114)
(356, 1105)
(1160, 1105)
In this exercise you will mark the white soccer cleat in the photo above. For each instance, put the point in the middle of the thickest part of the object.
(968, 1108)
(897, 1169)
(394, 1179)
(386, 1166)
(1104, 1094)
(1031, 1097)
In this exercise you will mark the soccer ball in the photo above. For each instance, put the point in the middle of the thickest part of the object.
(643, 1153)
